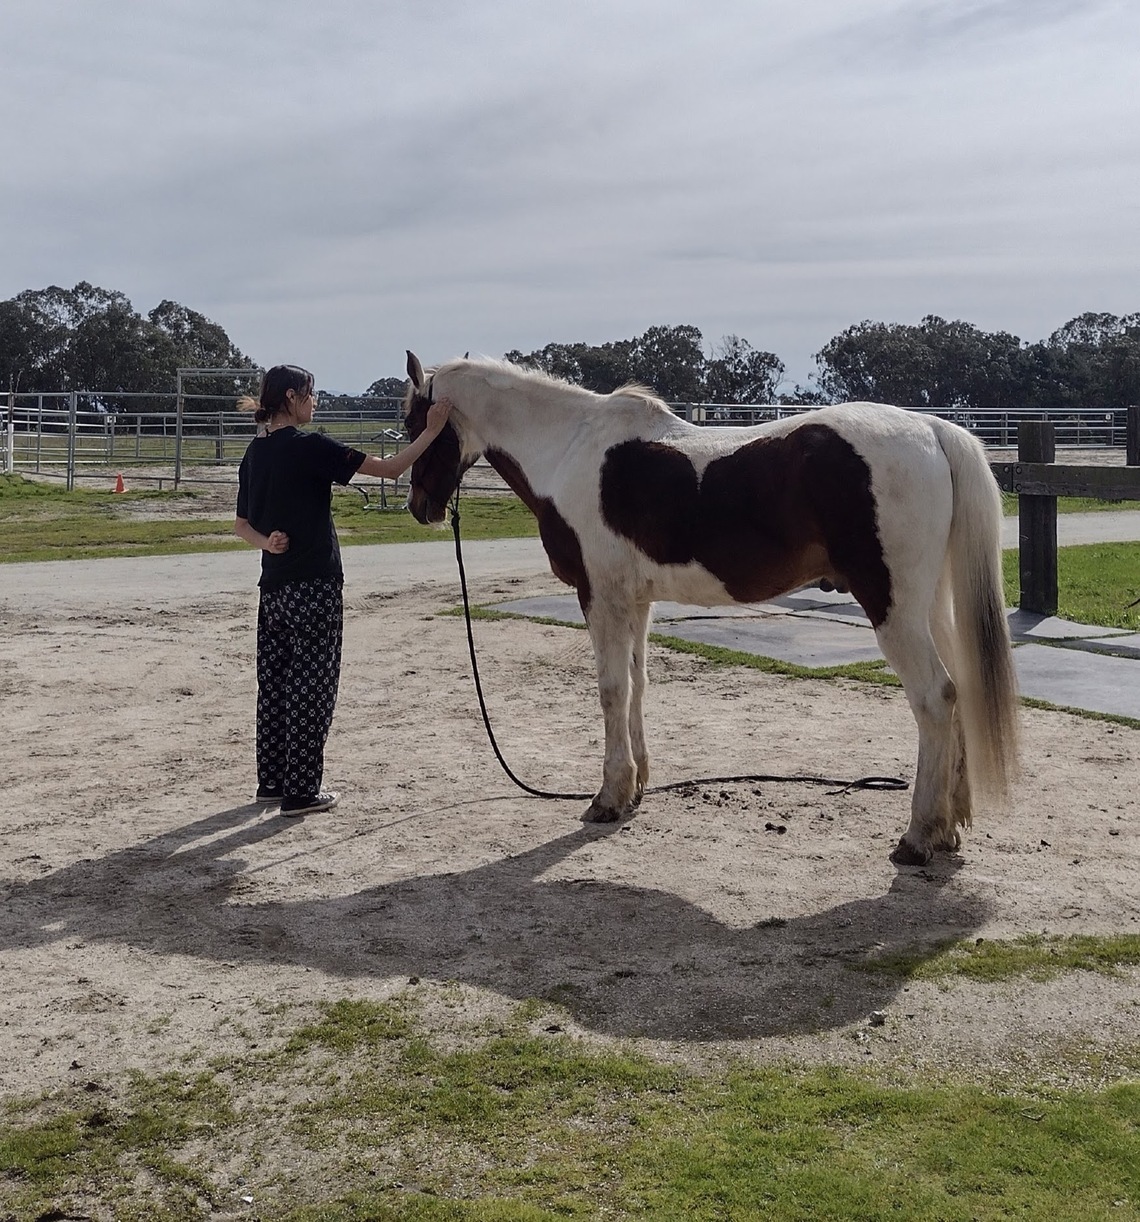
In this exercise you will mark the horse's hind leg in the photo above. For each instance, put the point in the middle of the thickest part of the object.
(638, 680)
(611, 625)
(961, 804)
(909, 647)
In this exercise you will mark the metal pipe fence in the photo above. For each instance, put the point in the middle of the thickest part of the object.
(66, 434)
(995, 427)
(73, 434)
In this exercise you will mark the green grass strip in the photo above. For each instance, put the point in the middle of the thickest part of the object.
(1116, 719)
(1036, 956)
(370, 1117)
(1072, 504)
(45, 522)
(1095, 583)
(874, 671)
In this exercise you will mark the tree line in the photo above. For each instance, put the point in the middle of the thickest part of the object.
(1093, 361)
(89, 338)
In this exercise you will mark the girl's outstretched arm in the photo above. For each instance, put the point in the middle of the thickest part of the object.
(397, 464)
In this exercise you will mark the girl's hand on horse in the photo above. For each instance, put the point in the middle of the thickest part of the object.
(277, 542)
(437, 415)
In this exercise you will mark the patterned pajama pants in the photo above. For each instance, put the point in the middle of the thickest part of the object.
(299, 631)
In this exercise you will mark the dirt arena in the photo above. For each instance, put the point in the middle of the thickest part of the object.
(151, 912)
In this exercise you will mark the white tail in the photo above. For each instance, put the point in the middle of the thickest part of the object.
(985, 679)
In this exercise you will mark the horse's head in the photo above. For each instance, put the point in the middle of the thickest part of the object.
(437, 472)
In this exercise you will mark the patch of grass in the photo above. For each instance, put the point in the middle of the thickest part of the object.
(875, 671)
(96, 536)
(94, 1148)
(1036, 956)
(497, 1093)
(486, 517)
(1071, 504)
(867, 672)
(348, 1024)
(1095, 583)
(831, 1145)
(409, 1205)
(1116, 719)
(369, 1116)
(490, 614)
(42, 521)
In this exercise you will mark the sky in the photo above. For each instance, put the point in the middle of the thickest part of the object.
(334, 183)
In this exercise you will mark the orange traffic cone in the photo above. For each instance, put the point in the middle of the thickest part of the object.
(119, 483)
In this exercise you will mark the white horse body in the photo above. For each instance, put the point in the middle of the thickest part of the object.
(616, 478)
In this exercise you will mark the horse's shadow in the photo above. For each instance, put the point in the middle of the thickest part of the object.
(623, 960)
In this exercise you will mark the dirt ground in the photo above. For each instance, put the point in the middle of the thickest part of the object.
(150, 912)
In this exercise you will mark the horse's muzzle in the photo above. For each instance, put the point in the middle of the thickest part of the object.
(424, 510)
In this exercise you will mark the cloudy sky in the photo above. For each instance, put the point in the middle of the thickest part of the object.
(335, 182)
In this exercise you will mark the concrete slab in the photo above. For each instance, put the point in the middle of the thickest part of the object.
(1130, 642)
(811, 601)
(1029, 626)
(796, 639)
(1079, 679)
(562, 607)
(1117, 646)
(811, 598)
(667, 612)
(1064, 663)
(845, 613)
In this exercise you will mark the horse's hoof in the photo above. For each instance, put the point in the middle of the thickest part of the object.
(905, 854)
(638, 794)
(597, 813)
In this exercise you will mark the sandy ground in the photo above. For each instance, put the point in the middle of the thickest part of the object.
(149, 911)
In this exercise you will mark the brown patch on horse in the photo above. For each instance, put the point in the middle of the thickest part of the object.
(563, 547)
(650, 494)
(777, 513)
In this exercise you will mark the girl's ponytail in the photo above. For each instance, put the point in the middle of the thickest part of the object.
(275, 383)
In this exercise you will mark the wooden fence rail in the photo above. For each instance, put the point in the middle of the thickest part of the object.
(1038, 481)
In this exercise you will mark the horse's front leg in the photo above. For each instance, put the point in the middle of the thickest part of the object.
(611, 631)
(638, 680)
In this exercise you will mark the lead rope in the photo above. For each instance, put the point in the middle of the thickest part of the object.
(538, 793)
(838, 787)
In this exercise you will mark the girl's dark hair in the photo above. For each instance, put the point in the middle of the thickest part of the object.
(274, 383)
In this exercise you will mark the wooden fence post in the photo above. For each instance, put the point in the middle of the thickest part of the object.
(1037, 524)
(1132, 436)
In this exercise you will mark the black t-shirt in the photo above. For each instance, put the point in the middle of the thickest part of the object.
(285, 483)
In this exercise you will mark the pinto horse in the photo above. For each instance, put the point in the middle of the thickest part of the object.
(634, 504)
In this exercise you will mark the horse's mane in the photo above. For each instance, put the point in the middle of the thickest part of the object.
(638, 390)
(499, 371)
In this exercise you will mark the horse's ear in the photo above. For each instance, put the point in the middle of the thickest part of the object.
(415, 370)
(467, 354)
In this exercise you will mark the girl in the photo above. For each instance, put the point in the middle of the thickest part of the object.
(284, 507)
